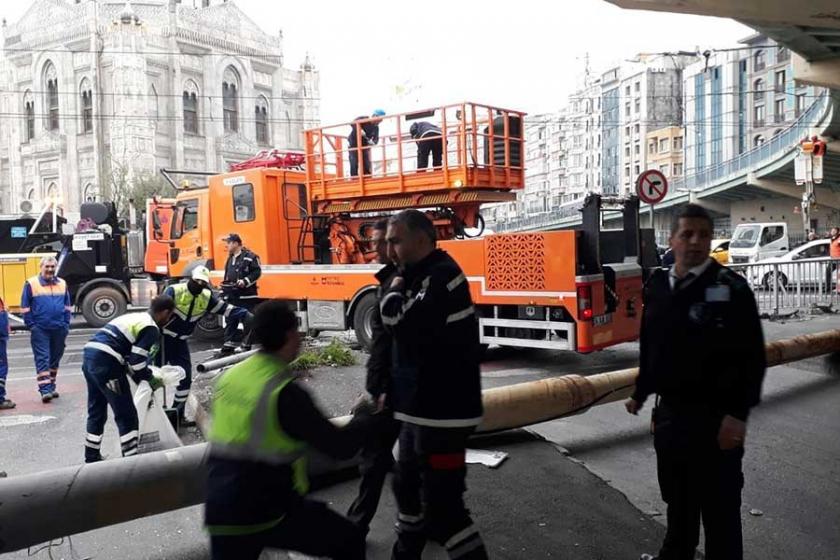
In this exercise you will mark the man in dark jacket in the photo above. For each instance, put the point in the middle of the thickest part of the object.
(429, 141)
(364, 133)
(435, 390)
(242, 270)
(377, 455)
(702, 353)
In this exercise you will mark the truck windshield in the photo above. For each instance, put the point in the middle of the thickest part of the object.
(745, 237)
(184, 218)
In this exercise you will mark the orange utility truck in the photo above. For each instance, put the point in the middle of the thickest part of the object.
(576, 290)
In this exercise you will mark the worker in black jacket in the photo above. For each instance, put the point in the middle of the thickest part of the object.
(435, 390)
(242, 270)
(364, 133)
(377, 455)
(702, 352)
(429, 141)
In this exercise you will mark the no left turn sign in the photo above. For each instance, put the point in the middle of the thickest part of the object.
(652, 186)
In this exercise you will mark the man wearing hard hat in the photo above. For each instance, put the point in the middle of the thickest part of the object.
(193, 299)
(364, 133)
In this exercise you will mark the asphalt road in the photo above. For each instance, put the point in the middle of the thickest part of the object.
(600, 501)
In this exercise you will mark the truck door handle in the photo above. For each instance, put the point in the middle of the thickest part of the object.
(198, 251)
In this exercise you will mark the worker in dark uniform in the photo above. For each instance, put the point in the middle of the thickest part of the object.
(377, 455)
(702, 353)
(125, 346)
(242, 270)
(5, 329)
(362, 135)
(429, 141)
(257, 467)
(193, 299)
(435, 390)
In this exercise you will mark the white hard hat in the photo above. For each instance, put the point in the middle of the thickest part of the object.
(201, 273)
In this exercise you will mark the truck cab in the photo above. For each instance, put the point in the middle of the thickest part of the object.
(754, 242)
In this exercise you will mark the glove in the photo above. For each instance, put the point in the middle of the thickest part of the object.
(155, 383)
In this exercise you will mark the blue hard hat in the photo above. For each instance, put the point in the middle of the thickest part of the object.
(378, 113)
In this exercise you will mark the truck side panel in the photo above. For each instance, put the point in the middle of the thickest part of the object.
(14, 270)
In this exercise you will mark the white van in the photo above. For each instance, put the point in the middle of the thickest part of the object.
(754, 242)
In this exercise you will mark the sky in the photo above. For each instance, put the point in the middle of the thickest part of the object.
(523, 54)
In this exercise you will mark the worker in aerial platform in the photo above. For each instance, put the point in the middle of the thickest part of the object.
(263, 425)
(429, 141)
(368, 134)
(125, 346)
(193, 300)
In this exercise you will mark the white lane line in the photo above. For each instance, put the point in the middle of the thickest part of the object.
(23, 419)
(32, 378)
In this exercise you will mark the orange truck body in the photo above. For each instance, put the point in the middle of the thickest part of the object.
(530, 289)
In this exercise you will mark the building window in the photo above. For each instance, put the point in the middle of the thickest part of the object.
(758, 115)
(627, 151)
(652, 146)
(758, 91)
(87, 106)
(51, 82)
(783, 54)
(627, 172)
(638, 87)
(153, 104)
(230, 100)
(52, 193)
(780, 81)
(29, 116)
(636, 170)
(800, 104)
(261, 120)
(30, 195)
(627, 109)
(636, 129)
(678, 143)
(627, 133)
(678, 169)
(759, 61)
(758, 140)
(779, 111)
(190, 100)
(637, 106)
(664, 145)
(627, 91)
(90, 194)
(665, 169)
(638, 149)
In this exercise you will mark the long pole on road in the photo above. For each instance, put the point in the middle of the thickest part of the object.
(38, 507)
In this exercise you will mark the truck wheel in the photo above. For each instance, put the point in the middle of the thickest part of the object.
(209, 329)
(363, 320)
(101, 305)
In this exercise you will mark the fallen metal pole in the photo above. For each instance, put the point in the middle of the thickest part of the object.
(220, 363)
(42, 506)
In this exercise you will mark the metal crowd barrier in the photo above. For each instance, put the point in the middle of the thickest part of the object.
(783, 288)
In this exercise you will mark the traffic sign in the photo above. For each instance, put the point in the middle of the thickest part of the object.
(652, 186)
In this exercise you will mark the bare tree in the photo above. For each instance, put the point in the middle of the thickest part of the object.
(125, 186)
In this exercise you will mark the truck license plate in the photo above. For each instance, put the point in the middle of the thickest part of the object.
(601, 320)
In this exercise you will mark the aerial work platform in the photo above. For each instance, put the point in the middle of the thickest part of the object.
(483, 155)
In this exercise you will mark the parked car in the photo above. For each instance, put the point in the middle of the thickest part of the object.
(720, 250)
(800, 266)
(753, 242)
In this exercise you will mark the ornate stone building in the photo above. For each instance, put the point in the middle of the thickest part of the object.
(90, 90)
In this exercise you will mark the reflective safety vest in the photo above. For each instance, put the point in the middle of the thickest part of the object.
(245, 424)
(119, 336)
(189, 307)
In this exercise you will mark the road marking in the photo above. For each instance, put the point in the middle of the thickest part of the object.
(23, 419)
(515, 372)
(32, 377)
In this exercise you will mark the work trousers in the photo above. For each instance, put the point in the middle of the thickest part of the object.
(432, 146)
(311, 528)
(698, 481)
(233, 336)
(4, 366)
(48, 348)
(377, 462)
(176, 351)
(354, 162)
(429, 485)
(107, 385)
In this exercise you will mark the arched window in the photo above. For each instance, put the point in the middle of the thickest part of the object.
(153, 103)
(87, 106)
(90, 194)
(30, 195)
(758, 140)
(759, 61)
(230, 99)
(190, 100)
(51, 89)
(758, 91)
(52, 193)
(29, 116)
(261, 120)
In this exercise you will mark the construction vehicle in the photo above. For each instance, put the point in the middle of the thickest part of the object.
(573, 290)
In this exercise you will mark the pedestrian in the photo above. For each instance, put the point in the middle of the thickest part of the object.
(429, 141)
(435, 389)
(46, 307)
(257, 467)
(5, 329)
(193, 300)
(377, 454)
(812, 235)
(364, 132)
(702, 354)
(125, 346)
(242, 270)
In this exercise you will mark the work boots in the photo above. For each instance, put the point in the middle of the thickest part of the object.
(6, 404)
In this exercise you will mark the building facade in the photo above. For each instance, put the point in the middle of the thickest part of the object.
(665, 151)
(98, 90)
